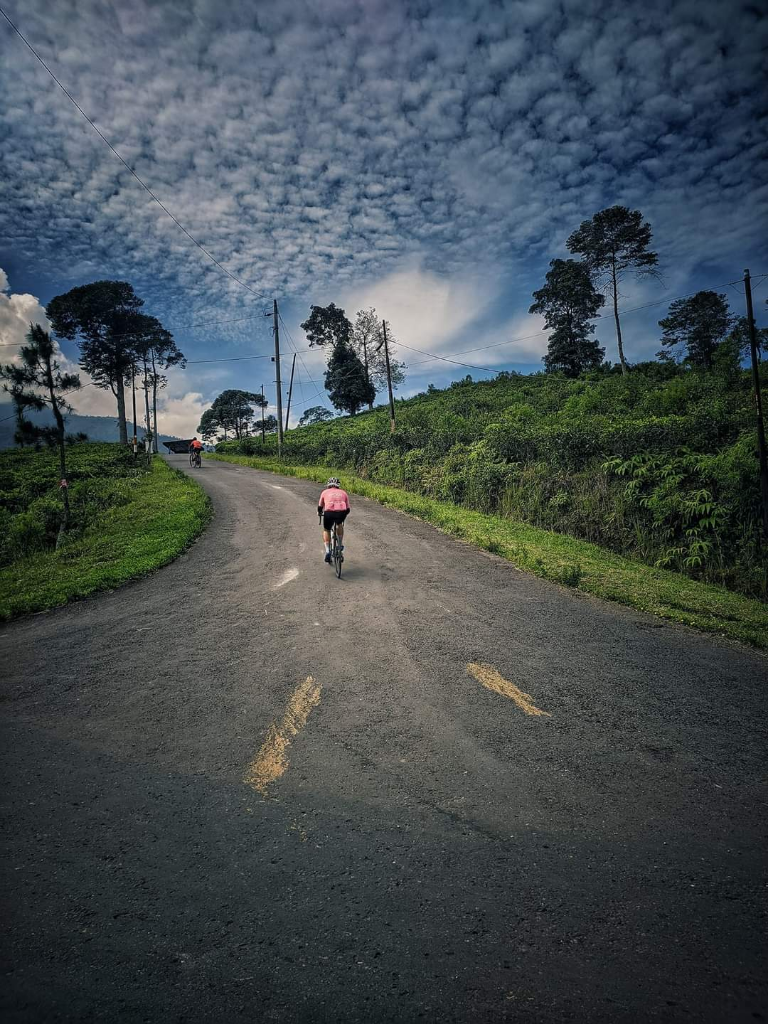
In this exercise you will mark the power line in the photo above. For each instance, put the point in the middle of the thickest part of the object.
(190, 327)
(223, 359)
(143, 184)
(183, 327)
(529, 337)
(298, 353)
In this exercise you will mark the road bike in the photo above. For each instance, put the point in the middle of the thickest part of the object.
(195, 461)
(336, 556)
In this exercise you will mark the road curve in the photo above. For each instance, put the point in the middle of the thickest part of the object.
(437, 789)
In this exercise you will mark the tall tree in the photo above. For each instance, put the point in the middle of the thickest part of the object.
(367, 338)
(568, 301)
(155, 350)
(740, 336)
(209, 425)
(37, 382)
(233, 410)
(316, 414)
(345, 380)
(612, 243)
(100, 316)
(699, 324)
(327, 325)
(269, 423)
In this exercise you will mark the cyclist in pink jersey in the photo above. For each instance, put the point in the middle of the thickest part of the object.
(333, 506)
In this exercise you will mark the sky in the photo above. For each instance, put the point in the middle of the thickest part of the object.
(428, 158)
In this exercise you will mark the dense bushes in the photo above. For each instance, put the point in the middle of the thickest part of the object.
(101, 477)
(657, 465)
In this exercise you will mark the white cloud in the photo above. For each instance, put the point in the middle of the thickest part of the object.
(17, 312)
(180, 416)
(423, 309)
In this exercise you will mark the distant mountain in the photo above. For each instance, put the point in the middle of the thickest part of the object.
(98, 428)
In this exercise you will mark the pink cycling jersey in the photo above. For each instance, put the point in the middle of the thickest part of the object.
(333, 499)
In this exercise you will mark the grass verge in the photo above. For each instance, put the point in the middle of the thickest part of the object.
(167, 511)
(565, 560)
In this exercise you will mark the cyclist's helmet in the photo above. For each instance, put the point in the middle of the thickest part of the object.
(333, 482)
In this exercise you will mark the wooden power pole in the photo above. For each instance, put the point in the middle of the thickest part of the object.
(758, 402)
(278, 383)
(389, 379)
(290, 392)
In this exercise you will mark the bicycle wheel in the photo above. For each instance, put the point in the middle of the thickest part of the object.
(338, 558)
(191, 460)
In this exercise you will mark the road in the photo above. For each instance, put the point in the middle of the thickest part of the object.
(437, 789)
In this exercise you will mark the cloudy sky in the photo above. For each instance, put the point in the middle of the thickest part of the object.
(428, 158)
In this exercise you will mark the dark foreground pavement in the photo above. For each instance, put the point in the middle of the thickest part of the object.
(433, 852)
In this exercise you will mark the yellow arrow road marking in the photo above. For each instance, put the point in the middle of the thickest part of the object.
(272, 760)
(492, 680)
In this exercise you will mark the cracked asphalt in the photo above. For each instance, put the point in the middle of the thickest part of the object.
(426, 848)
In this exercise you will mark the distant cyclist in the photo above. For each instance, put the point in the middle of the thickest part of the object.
(333, 506)
(195, 447)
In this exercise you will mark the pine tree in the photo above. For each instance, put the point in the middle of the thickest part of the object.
(37, 382)
(345, 380)
(699, 324)
(613, 242)
(568, 301)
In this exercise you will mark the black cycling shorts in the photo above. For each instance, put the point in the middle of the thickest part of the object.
(329, 518)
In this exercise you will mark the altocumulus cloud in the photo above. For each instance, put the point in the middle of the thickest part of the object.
(325, 148)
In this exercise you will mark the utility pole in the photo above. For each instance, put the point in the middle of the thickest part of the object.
(263, 413)
(290, 392)
(133, 384)
(276, 360)
(389, 380)
(147, 428)
(758, 402)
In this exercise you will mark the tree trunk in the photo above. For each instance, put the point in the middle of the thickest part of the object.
(616, 318)
(154, 405)
(365, 364)
(62, 453)
(147, 421)
(121, 424)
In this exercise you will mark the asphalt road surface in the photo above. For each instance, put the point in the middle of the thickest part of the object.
(437, 789)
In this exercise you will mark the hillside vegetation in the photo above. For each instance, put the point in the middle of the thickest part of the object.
(659, 465)
(127, 518)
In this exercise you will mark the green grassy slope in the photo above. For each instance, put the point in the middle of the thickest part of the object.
(127, 521)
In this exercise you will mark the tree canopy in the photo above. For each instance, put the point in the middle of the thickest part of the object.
(611, 243)
(233, 411)
(698, 324)
(327, 325)
(345, 380)
(568, 301)
(315, 414)
(105, 318)
(367, 341)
